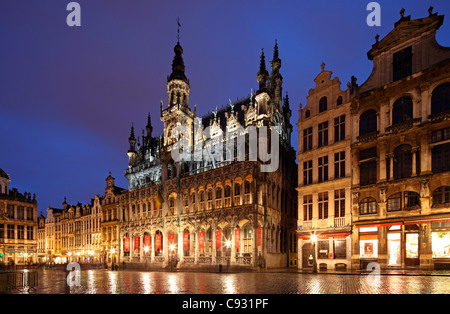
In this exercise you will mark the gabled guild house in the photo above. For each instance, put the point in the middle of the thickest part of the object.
(400, 149)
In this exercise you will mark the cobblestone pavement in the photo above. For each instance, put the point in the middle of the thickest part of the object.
(138, 282)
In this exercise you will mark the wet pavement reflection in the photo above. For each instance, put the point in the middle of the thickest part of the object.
(137, 282)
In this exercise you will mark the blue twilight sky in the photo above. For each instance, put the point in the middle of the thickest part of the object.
(68, 95)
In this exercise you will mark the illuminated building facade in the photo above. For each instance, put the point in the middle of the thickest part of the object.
(18, 225)
(210, 212)
(400, 148)
(324, 174)
(73, 233)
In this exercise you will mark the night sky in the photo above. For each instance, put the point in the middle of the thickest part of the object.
(68, 95)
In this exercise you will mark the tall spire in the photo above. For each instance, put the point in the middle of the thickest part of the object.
(178, 63)
(149, 126)
(132, 140)
(262, 75)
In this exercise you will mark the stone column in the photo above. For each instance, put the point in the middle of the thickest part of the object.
(214, 243)
(391, 165)
(425, 250)
(382, 247)
(355, 249)
(152, 253)
(255, 245)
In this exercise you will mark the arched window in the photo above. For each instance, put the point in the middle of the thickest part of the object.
(171, 205)
(247, 196)
(219, 197)
(402, 110)
(368, 122)
(394, 202)
(237, 194)
(227, 196)
(368, 206)
(402, 162)
(441, 195)
(307, 114)
(339, 101)
(410, 200)
(323, 104)
(440, 99)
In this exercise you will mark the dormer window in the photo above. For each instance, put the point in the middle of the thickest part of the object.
(323, 104)
(402, 63)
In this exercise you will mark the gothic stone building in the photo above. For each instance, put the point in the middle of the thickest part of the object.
(208, 211)
(400, 148)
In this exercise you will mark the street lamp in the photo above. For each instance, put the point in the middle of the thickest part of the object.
(314, 240)
(228, 245)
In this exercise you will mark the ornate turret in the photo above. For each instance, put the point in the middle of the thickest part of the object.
(149, 127)
(262, 75)
(276, 80)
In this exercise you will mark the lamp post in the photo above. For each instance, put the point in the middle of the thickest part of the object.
(314, 240)
(228, 245)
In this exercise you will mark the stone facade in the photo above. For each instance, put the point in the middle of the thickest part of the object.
(18, 224)
(324, 174)
(400, 209)
(206, 211)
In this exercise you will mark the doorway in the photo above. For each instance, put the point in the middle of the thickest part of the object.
(307, 254)
(394, 249)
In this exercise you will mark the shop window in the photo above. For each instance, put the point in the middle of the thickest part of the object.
(412, 245)
(440, 99)
(368, 246)
(324, 248)
(441, 195)
(340, 248)
(402, 110)
(440, 244)
(368, 206)
(368, 122)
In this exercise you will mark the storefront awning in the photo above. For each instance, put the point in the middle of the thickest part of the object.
(379, 224)
(325, 235)
(427, 220)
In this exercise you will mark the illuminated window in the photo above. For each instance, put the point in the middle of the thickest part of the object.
(368, 206)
